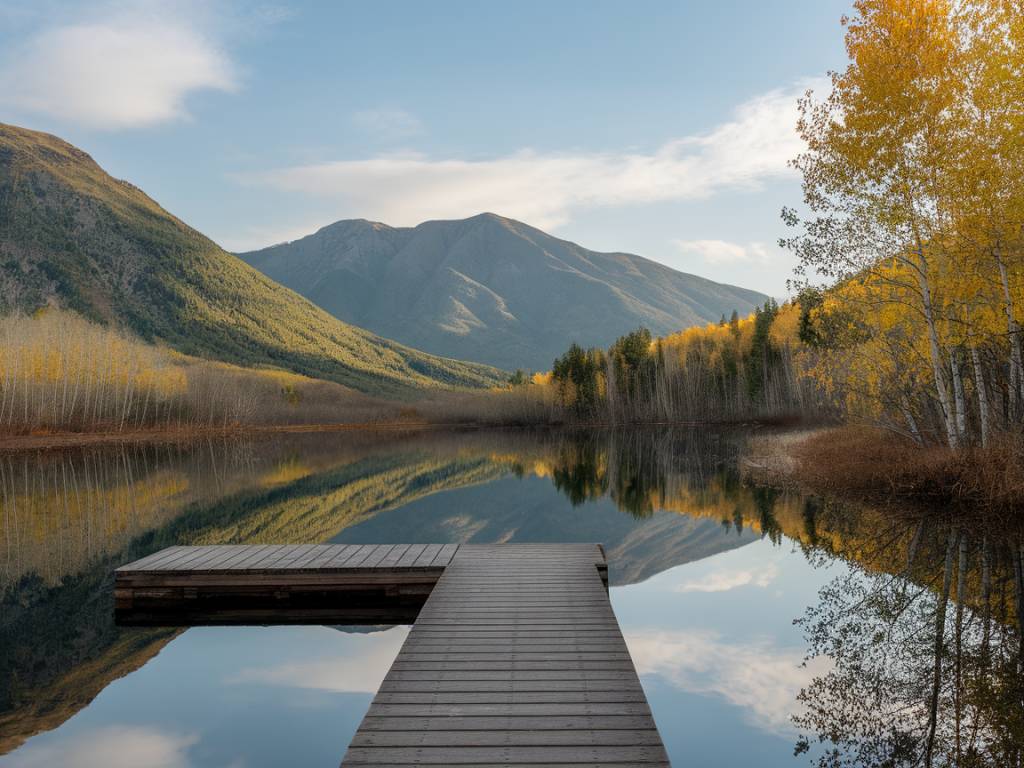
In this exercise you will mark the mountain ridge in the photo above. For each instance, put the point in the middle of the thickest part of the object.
(490, 288)
(72, 235)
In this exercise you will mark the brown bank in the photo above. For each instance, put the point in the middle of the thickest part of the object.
(862, 463)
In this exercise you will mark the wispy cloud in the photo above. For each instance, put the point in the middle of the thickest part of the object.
(388, 124)
(756, 676)
(545, 188)
(726, 580)
(121, 69)
(114, 746)
(718, 252)
(361, 670)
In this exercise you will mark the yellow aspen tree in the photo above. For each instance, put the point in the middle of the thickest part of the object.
(872, 171)
(990, 192)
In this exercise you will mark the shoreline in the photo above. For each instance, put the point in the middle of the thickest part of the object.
(864, 465)
(55, 441)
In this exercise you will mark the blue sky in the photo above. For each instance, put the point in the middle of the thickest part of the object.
(658, 128)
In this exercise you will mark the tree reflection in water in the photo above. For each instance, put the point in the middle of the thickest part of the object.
(924, 635)
(923, 629)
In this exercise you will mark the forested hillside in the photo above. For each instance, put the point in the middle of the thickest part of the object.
(74, 237)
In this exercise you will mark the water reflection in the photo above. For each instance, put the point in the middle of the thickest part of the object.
(908, 662)
(924, 636)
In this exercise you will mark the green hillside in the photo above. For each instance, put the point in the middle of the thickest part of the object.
(73, 236)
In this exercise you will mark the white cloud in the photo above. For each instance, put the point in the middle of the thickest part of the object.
(360, 670)
(725, 580)
(544, 188)
(114, 746)
(761, 679)
(724, 252)
(388, 124)
(126, 70)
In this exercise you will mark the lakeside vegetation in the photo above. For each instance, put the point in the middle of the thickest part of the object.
(60, 372)
(742, 369)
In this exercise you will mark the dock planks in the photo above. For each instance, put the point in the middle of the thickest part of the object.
(515, 657)
(278, 584)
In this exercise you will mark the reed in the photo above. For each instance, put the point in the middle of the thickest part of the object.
(60, 372)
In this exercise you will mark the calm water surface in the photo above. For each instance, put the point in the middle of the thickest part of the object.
(757, 619)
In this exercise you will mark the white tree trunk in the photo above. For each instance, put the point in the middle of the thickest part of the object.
(959, 401)
(941, 390)
(908, 414)
(1014, 332)
(983, 404)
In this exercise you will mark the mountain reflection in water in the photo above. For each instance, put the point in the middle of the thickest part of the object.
(913, 637)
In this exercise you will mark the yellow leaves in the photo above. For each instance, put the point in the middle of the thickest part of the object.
(786, 326)
(57, 348)
(58, 371)
(709, 343)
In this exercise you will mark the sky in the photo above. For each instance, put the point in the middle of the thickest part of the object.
(656, 128)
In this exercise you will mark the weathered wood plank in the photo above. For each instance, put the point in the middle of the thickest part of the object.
(521, 738)
(493, 698)
(394, 555)
(445, 555)
(511, 675)
(146, 561)
(428, 554)
(503, 708)
(591, 764)
(410, 555)
(587, 755)
(506, 723)
(515, 657)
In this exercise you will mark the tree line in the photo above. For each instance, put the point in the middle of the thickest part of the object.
(741, 368)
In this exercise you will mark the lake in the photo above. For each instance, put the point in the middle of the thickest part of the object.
(757, 618)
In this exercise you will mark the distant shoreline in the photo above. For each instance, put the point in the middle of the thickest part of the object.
(56, 441)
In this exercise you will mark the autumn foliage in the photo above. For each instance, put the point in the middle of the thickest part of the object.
(913, 184)
(60, 372)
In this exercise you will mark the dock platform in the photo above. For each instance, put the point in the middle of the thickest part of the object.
(515, 657)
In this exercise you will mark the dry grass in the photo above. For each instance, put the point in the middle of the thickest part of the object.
(528, 405)
(60, 373)
(875, 465)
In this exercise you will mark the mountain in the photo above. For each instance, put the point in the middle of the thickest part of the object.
(73, 236)
(491, 289)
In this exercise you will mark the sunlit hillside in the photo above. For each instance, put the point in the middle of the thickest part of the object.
(72, 236)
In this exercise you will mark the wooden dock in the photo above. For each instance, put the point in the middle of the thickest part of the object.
(279, 584)
(515, 657)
